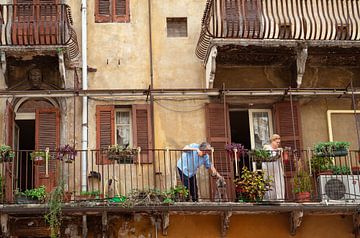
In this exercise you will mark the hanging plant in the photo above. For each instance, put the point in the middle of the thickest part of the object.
(240, 149)
(6, 153)
(121, 153)
(38, 157)
(66, 153)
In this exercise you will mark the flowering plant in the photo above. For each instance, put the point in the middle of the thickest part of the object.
(230, 149)
(6, 153)
(67, 153)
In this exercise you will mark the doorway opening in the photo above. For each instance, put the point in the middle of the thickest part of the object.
(26, 144)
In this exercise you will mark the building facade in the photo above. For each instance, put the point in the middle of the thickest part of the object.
(155, 76)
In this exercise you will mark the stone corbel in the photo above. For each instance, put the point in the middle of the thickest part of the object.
(211, 68)
(356, 224)
(301, 58)
(225, 223)
(165, 222)
(104, 222)
(5, 225)
(295, 221)
(3, 63)
(62, 68)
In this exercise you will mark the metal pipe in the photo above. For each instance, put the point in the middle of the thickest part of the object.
(84, 133)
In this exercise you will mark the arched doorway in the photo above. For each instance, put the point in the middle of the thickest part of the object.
(36, 127)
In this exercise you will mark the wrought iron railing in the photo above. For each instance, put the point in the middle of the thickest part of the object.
(279, 19)
(36, 25)
(117, 178)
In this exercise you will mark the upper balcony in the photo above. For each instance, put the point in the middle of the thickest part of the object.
(37, 26)
(279, 31)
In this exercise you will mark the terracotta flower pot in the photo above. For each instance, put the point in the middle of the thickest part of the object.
(303, 197)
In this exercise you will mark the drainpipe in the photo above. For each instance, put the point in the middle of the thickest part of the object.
(84, 140)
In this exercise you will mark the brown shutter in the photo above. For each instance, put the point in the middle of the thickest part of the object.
(121, 11)
(47, 135)
(218, 135)
(102, 11)
(284, 124)
(284, 127)
(9, 169)
(142, 132)
(105, 132)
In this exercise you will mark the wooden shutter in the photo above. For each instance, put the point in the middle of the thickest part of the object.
(284, 124)
(284, 127)
(218, 135)
(102, 11)
(105, 132)
(9, 166)
(142, 132)
(121, 11)
(47, 135)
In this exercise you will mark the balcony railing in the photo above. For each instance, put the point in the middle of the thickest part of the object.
(37, 25)
(118, 179)
(279, 19)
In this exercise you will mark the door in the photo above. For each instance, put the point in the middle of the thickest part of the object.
(218, 135)
(35, 22)
(47, 135)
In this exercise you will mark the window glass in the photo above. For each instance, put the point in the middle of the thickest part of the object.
(123, 127)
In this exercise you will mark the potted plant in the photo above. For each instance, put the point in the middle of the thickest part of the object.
(230, 148)
(340, 169)
(265, 155)
(90, 195)
(6, 153)
(38, 157)
(355, 170)
(178, 193)
(121, 153)
(251, 186)
(302, 186)
(66, 153)
(321, 165)
(332, 148)
(34, 195)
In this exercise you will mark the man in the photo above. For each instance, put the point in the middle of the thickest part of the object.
(191, 159)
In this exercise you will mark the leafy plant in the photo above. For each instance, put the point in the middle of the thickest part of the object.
(6, 153)
(54, 216)
(36, 193)
(264, 155)
(178, 193)
(319, 163)
(67, 153)
(121, 153)
(302, 182)
(340, 170)
(90, 193)
(330, 147)
(37, 156)
(252, 185)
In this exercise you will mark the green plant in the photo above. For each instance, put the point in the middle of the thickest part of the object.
(264, 156)
(319, 163)
(54, 215)
(67, 153)
(90, 193)
(36, 193)
(340, 170)
(178, 193)
(6, 153)
(252, 186)
(37, 154)
(330, 147)
(302, 182)
(121, 153)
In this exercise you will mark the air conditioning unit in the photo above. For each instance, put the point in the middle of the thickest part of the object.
(339, 188)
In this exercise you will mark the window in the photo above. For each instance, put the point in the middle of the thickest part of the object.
(176, 27)
(123, 127)
(112, 11)
(260, 127)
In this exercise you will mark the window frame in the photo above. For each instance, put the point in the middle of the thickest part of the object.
(251, 124)
(112, 17)
(129, 110)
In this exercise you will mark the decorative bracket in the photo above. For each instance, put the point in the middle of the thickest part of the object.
(3, 63)
(5, 225)
(165, 222)
(225, 223)
(62, 68)
(356, 224)
(301, 58)
(211, 68)
(104, 222)
(295, 221)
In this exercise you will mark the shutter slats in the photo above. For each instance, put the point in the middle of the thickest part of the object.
(120, 8)
(104, 7)
(104, 131)
(142, 132)
(218, 136)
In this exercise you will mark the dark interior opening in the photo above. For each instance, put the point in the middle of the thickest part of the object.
(240, 133)
(26, 145)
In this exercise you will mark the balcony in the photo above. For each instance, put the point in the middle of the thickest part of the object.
(156, 182)
(32, 26)
(267, 32)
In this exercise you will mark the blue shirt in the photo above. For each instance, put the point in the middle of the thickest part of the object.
(190, 161)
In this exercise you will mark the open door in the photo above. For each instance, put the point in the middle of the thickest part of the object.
(35, 22)
(218, 135)
(9, 167)
(47, 135)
